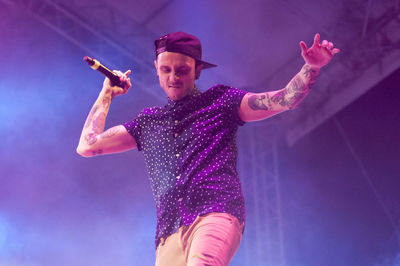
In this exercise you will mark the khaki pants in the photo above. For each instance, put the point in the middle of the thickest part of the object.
(211, 240)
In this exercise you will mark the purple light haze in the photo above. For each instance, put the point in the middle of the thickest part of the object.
(57, 208)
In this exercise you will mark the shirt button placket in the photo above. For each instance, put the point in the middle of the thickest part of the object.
(176, 133)
(176, 151)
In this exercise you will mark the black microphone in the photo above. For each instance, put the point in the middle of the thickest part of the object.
(93, 63)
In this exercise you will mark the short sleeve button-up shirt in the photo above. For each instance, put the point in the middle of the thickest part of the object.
(190, 152)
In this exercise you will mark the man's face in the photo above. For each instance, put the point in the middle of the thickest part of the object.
(176, 73)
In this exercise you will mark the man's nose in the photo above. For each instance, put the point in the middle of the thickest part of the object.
(174, 75)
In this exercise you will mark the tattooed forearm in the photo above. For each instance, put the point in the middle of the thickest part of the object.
(292, 94)
(259, 102)
(98, 123)
(311, 74)
(107, 99)
(297, 85)
(94, 125)
(90, 116)
(297, 89)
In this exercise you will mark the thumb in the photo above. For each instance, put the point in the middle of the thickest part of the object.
(303, 47)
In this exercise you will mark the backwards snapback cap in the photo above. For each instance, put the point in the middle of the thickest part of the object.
(183, 43)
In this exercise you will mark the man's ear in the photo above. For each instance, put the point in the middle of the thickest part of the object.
(198, 69)
(155, 64)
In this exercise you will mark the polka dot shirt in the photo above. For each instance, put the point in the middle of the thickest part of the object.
(190, 152)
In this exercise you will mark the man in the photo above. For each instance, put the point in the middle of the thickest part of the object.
(189, 147)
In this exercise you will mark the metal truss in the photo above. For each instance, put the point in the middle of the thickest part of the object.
(370, 43)
(258, 170)
(102, 32)
(370, 53)
(369, 37)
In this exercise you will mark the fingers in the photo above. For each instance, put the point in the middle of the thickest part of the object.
(128, 84)
(303, 47)
(125, 81)
(335, 51)
(325, 44)
(316, 39)
(329, 46)
(120, 74)
(123, 77)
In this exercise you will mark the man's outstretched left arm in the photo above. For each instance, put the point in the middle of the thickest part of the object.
(258, 106)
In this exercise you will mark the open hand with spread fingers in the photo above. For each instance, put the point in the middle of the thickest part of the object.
(319, 54)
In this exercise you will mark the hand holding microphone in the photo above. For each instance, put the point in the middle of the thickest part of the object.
(118, 81)
(117, 90)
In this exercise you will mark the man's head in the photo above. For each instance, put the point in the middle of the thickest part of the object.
(178, 63)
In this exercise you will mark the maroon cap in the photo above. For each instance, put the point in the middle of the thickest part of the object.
(183, 43)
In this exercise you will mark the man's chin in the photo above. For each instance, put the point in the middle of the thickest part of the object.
(177, 95)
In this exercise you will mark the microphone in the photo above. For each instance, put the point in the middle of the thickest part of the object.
(96, 65)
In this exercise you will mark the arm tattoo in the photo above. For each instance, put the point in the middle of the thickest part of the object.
(94, 124)
(97, 152)
(297, 89)
(297, 85)
(109, 132)
(90, 117)
(106, 103)
(98, 122)
(310, 74)
(292, 94)
(107, 99)
(256, 102)
(91, 138)
(279, 98)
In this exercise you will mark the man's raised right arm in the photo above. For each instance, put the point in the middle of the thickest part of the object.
(94, 140)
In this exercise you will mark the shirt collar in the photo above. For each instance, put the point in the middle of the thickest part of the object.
(172, 104)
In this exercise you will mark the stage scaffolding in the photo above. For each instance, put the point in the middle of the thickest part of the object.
(102, 32)
(373, 56)
(259, 172)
